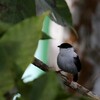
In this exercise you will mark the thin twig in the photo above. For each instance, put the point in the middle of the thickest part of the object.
(77, 87)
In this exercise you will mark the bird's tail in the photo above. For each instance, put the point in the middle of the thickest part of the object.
(75, 77)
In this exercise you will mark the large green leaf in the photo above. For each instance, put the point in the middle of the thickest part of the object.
(17, 47)
(46, 87)
(60, 12)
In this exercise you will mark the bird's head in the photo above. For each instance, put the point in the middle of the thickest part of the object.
(65, 45)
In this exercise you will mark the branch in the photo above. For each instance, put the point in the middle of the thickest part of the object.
(77, 87)
(40, 65)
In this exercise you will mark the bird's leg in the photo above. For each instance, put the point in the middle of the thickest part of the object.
(70, 77)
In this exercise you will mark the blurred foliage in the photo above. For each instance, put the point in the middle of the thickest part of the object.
(59, 10)
(3, 28)
(46, 87)
(20, 31)
(13, 11)
(17, 47)
(45, 36)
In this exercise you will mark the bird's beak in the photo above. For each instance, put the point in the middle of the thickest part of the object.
(59, 46)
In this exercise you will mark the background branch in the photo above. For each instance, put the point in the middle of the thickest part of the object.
(77, 87)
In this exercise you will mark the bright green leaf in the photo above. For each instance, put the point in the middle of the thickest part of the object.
(21, 40)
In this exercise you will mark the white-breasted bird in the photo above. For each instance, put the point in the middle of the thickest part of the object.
(68, 60)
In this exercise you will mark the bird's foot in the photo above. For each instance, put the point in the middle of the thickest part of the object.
(58, 71)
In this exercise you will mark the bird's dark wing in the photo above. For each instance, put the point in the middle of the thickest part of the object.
(77, 63)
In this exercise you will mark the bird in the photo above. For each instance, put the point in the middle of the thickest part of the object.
(68, 60)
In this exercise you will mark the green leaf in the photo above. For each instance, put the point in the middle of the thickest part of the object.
(45, 36)
(45, 87)
(13, 11)
(21, 40)
(17, 48)
(63, 10)
(60, 12)
(3, 28)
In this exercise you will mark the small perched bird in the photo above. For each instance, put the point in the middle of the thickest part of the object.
(68, 60)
